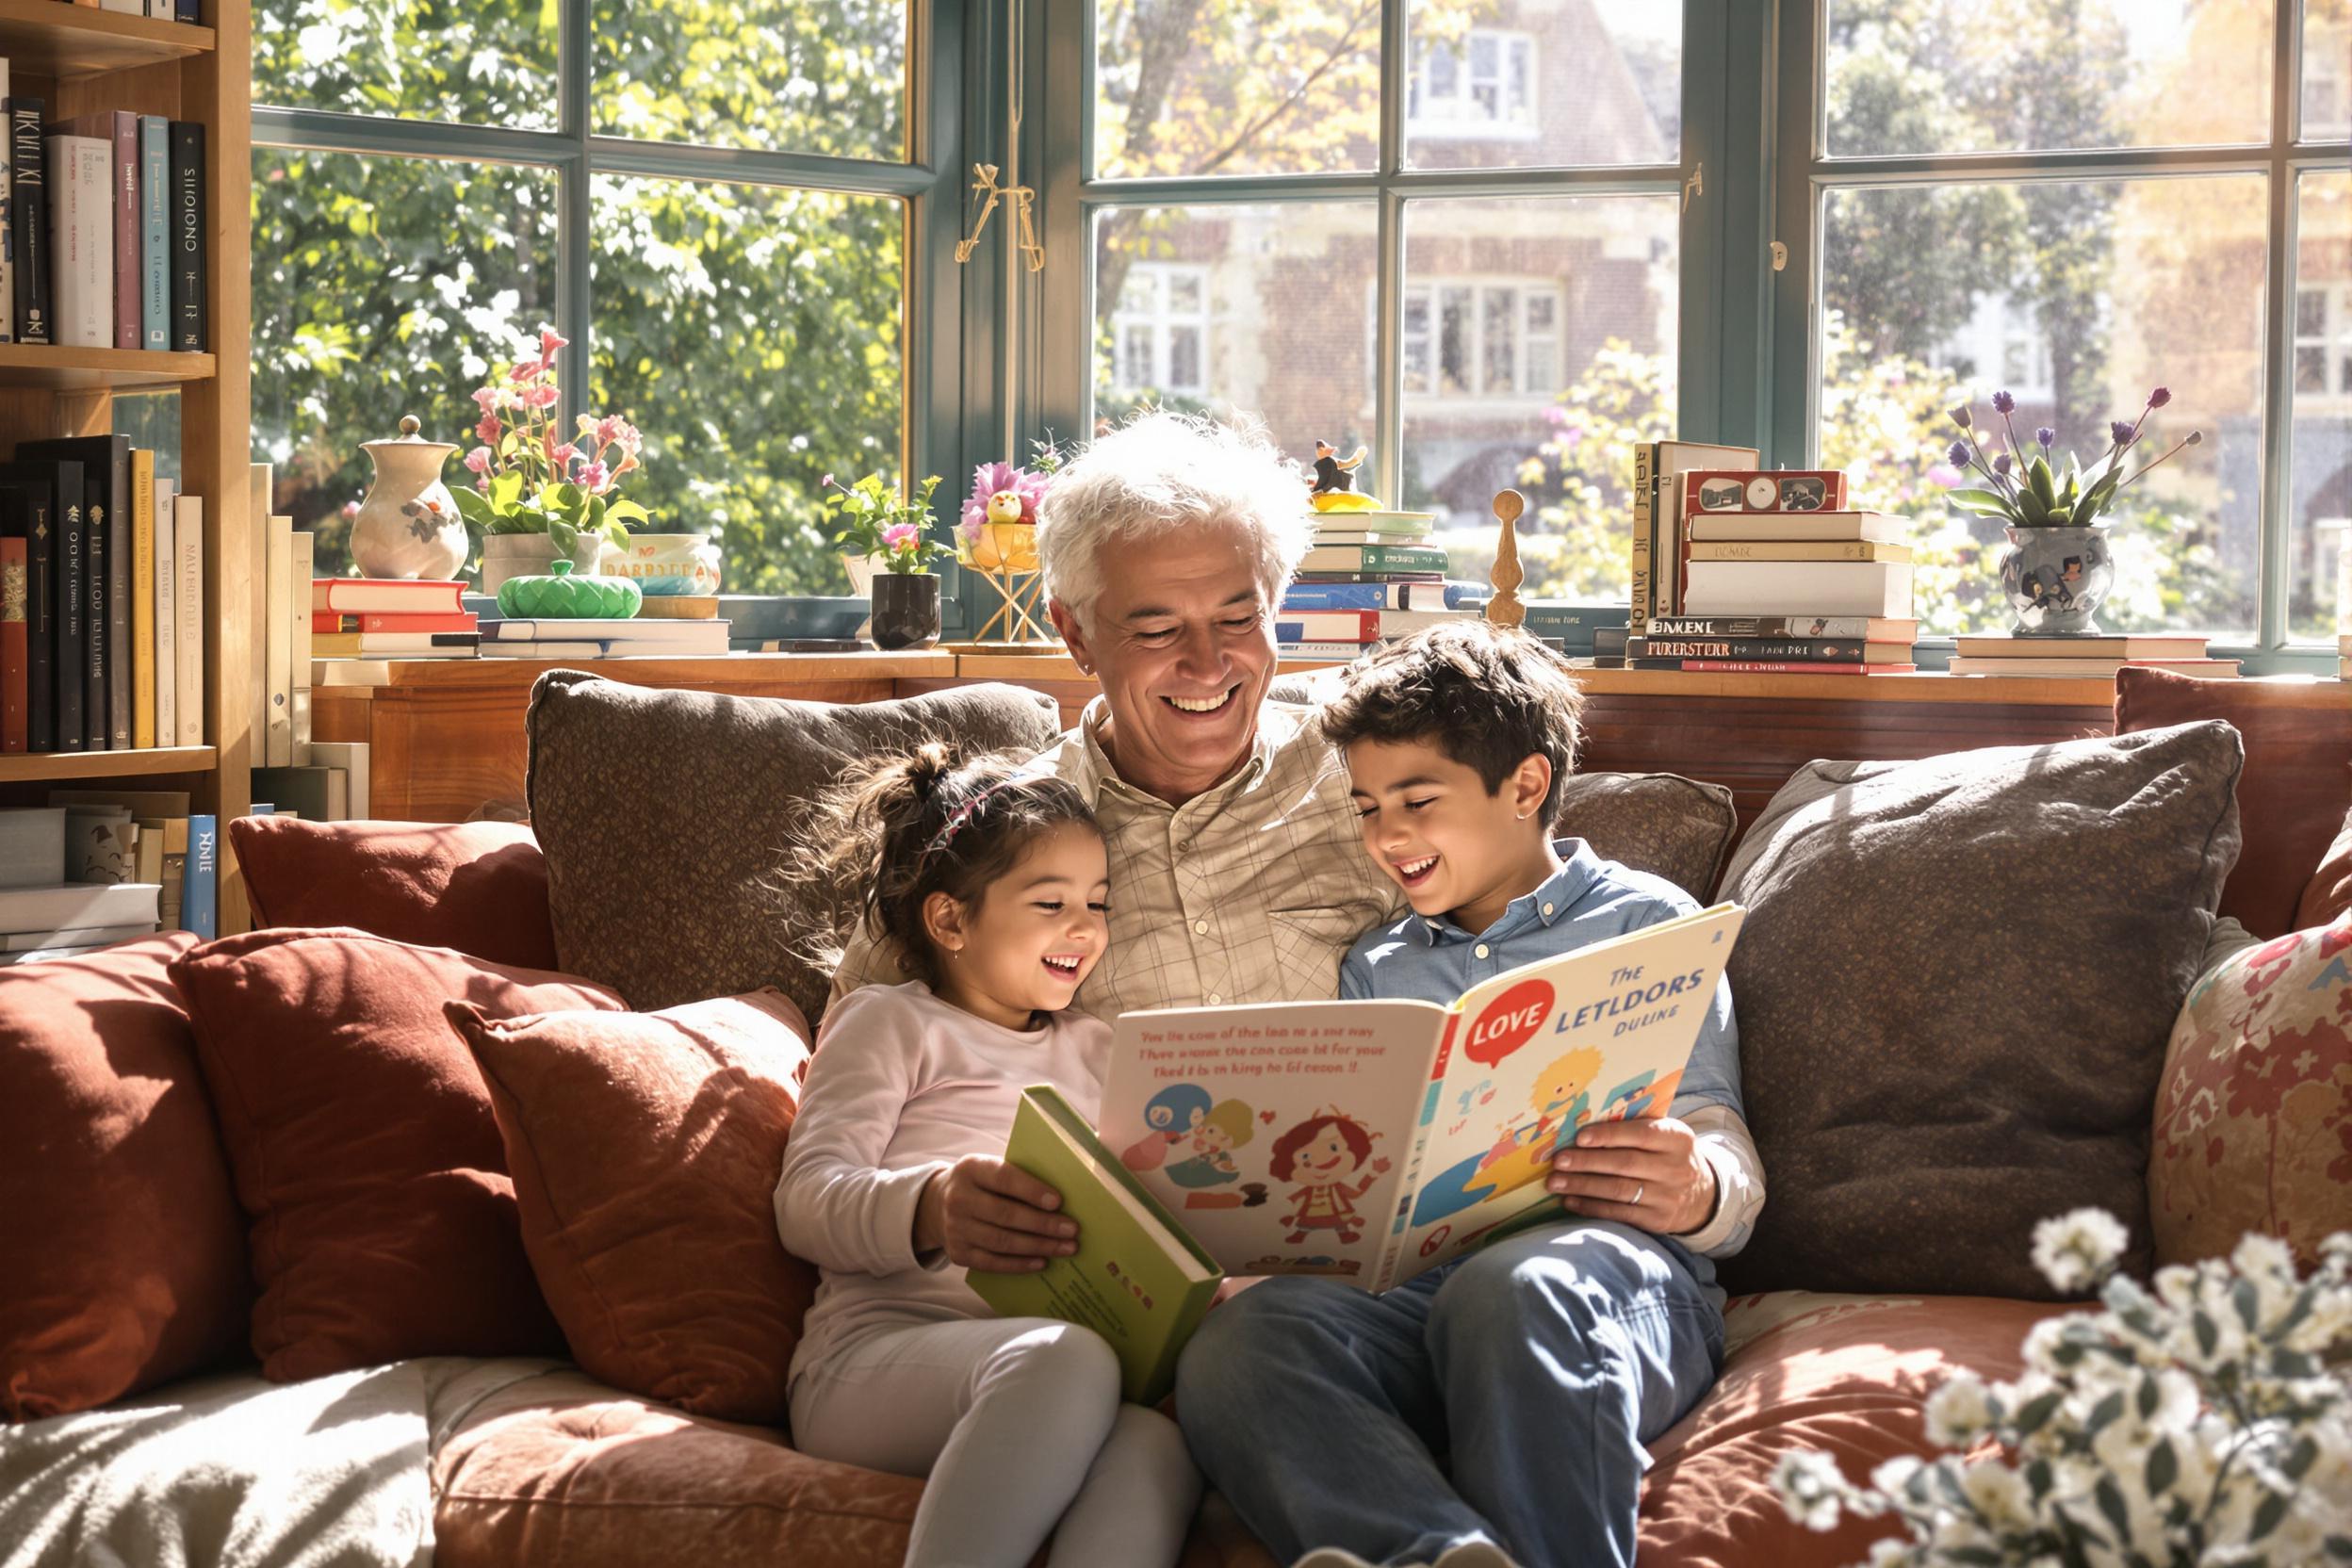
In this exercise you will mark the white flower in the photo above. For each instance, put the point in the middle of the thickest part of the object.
(1892, 1554)
(2075, 1250)
(1892, 1475)
(2000, 1495)
(1808, 1483)
(2176, 1286)
(1958, 1413)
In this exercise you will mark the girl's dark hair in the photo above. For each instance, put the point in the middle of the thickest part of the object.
(900, 828)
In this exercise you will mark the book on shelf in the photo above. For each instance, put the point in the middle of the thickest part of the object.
(119, 130)
(13, 597)
(109, 545)
(1795, 549)
(191, 324)
(2090, 669)
(1859, 629)
(165, 830)
(80, 904)
(166, 613)
(199, 904)
(621, 648)
(2130, 647)
(312, 793)
(138, 662)
(81, 239)
(391, 644)
(187, 584)
(360, 595)
(1572, 628)
(1137, 1278)
(1359, 625)
(8, 249)
(28, 220)
(299, 632)
(274, 746)
(28, 510)
(328, 622)
(1366, 1141)
(1791, 650)
(1876, 528)
(1656, 516)
(53, 498)
(155, 232)
(33, 946)
(1326, 652)
(1374, 558)
(1385, 595)
(701, 636)
(679, 607)
(97, 621)
(349, 758)
(1429, 579)
(1762, 666)
(1799, 587)
(1384, 524)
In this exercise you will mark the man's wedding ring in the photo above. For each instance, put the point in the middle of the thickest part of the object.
(1638, 1188)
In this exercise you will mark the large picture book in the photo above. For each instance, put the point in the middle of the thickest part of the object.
(1136, 1279)
(1368, 1140)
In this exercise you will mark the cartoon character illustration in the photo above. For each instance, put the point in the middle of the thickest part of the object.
(1172, 1115)
(1560, 1096)
(1228, 1126)
(1333, 472)
(1802, 494)
(1636, 1095)
(1320, 1154)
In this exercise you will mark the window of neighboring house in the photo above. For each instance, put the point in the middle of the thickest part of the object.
(1478, 339)
(738, 271)
(1484, 86)
(2323, 340)
(2002, 343)
(1161, 330)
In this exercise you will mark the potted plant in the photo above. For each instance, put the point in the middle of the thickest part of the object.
(2058, 567)
(881, 529)
(536, 496)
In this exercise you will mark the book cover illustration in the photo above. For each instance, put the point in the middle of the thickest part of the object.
(1367, 1140)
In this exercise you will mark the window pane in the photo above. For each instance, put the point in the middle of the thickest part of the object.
(753, 335)
(824, 76)
(1289, 330)
(383, 287)
(1953, 76)
(2326, 70)
(2320, 492)
(2104, 290)
(1599, 378)
(1520, 84)
(491, 62)
(1248, 89)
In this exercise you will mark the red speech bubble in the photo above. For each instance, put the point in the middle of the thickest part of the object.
(1510, 1022)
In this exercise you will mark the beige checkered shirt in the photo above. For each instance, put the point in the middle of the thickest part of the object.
(1250, 891)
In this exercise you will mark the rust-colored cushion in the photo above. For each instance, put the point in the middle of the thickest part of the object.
(645, 1148)
(2254, 1121)
(122, 1250)
(361, 1137)
(2297, 781)
(479, 887)
(2329, 891)
(1662, 822)
(1847, 1375)
(1954, 987)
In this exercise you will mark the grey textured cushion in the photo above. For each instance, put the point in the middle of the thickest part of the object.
(1954, 989)
(1672, 827)
(666, 814)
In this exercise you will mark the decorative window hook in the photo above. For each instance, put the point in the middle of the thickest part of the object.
(984, 183)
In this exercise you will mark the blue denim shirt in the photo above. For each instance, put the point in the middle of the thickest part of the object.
(1586, 901)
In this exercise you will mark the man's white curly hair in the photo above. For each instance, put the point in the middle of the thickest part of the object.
(1162, 472)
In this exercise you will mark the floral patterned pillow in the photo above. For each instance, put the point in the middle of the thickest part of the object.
(2254, 1117)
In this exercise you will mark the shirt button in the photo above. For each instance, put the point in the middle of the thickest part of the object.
(1547, 908)
(1483, 951)
(1183, 846)
(1202, 926)
(1215, 1000)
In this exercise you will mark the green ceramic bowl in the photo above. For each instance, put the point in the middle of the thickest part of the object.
(566, 598)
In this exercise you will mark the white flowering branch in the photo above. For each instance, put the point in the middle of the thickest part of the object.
(2207, 1425)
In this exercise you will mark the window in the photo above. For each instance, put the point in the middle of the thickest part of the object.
(1469, 339)
(1162, 331)
(724, 240)
(2323, 340)
(1482, 88)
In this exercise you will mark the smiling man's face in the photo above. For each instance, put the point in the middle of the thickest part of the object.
(1181, 638)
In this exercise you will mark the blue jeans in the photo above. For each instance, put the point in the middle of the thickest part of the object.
(1541, 1364)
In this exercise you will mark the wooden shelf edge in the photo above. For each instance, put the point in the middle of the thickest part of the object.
(43, 38)
(56, 369)
(25, 767)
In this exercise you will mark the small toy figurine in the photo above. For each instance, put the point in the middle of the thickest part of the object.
(1334, 485)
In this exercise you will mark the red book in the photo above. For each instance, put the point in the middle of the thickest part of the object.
(332, 620)
(14, 607)
(357, 596)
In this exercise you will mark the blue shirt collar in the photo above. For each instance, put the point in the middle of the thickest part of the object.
(1548, 901)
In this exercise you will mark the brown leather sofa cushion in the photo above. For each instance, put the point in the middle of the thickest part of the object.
(2297, 786)
(665, 815)
(2329, 890)
(1662, 822)
(1954, 989)
(121, 1248)
(479, 887)
(645, 1148)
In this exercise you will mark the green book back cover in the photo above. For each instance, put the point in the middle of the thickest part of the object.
(1136, 1279)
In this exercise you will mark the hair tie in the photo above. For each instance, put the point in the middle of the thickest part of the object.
(962, 814)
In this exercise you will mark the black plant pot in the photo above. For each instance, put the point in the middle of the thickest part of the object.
(906, 610)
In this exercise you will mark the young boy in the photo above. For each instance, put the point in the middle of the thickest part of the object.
(1543, 1363)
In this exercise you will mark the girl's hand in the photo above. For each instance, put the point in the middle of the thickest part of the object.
(1647, 1173)
(993, 1216)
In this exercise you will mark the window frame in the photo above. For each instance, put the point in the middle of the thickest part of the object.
(953, 103)
(1500, 126)
(1163, 321)
(1805, 175)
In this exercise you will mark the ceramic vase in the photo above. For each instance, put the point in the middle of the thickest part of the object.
(861, 572)
(408, 526)
(906, 610)
(664, 564)
(2056, 579)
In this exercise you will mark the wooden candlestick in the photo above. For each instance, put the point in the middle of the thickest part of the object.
(1504, 609)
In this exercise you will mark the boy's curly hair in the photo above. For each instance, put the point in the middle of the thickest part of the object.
(1487, 696)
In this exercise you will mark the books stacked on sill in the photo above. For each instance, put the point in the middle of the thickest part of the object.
(104, 236)
(359, 617)
(101, 600)
(1369, 577)
(657, 636)
(2088, 658)
(96, 867)
(160, 10)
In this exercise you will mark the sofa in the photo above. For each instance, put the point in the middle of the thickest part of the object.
(429, 1221)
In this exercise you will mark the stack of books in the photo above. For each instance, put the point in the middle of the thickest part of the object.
(359, 617)
(102, 595)
(2085, 657)
(640, 638)
(1659, 535)
(96, 867)
(1370, 577)
(106, 236)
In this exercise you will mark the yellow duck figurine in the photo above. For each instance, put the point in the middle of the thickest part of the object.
(1005, 542)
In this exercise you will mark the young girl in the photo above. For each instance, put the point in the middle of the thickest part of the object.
(990, 888)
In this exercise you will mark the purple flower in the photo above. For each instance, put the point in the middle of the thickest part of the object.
(1945, 475)
(1957, 454)
(2159, 398)
(1960, 416)
(2047, 436)
(2005, 403)
(990, 478)
(2000, 464)
(2122, 432)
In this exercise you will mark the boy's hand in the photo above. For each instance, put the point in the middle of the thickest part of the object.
(1647, 1173)
(993, 1216)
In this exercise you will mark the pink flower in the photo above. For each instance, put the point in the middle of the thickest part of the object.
(479, 460)
(488, 397)
(988, 479)
(1945, 475)
(897, 534)
(488, 429)
(595, 478)
(549, 342)
(575, 454)
(542, 395)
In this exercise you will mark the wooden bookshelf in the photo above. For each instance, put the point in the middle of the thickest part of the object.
(81, 60)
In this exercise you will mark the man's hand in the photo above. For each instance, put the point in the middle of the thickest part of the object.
(993, 1216)
(1645, 1173)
